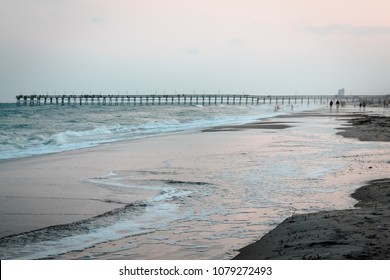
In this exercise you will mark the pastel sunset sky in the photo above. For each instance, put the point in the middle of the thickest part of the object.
(267, 47)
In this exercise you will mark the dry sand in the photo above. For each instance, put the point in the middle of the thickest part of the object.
(359, 233)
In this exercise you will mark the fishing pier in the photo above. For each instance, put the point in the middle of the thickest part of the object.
(188, 99)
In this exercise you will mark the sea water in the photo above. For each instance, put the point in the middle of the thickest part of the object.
(184, 216)
(37, 130)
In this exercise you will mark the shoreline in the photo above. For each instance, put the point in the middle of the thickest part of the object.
(358, 233)
(61, 195)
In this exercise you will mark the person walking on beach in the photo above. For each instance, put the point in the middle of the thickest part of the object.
(331, 104)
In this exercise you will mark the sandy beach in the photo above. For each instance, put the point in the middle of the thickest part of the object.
(65, 190)
(359, 233)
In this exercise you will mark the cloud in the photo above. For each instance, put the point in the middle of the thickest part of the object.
(361, 30)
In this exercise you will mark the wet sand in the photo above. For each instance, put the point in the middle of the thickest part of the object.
(368, 128)
(359, 233)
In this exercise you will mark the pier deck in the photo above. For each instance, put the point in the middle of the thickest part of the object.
(188, 99)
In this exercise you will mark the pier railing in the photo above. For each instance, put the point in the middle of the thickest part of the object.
(190, 99)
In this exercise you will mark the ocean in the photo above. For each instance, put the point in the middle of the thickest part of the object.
(37, 130)
(202, 205)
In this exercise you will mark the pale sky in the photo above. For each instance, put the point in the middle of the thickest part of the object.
(266, 47)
